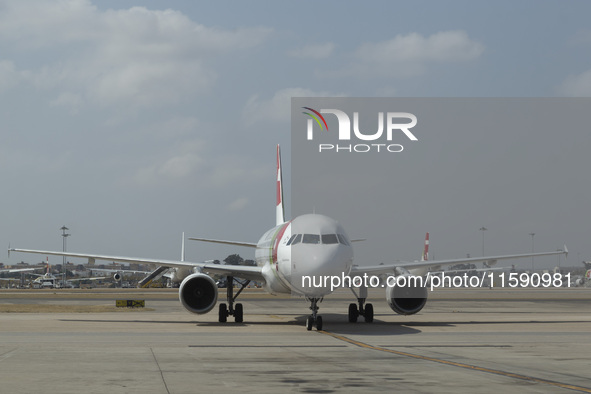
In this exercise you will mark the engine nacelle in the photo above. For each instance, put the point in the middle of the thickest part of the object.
(198, 293)
(117, 276)
(406, 300)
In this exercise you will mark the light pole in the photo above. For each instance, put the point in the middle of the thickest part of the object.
(64, 271)
(483, 229)
(532, 250)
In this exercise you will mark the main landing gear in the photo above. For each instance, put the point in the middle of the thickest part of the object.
(365, 310)
(232, 310)
(314, 319)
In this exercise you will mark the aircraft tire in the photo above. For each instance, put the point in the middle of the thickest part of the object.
(238, 313)
(353, 313)
(223, 313)
(368, 313)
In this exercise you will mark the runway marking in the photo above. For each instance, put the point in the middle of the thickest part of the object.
(460, 365)
(271, 346)
(9, 353)
(432, 346)
(160, 369)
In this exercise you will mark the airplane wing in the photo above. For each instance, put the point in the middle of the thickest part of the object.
(239, 271)
(11, 270)
(402, 266)
(486, 269)
(83, 279)
(123, 271)
(225, 242)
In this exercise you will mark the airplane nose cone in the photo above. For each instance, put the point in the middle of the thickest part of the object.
(317, 269)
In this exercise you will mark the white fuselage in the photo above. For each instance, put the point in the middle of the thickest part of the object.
(309, 246)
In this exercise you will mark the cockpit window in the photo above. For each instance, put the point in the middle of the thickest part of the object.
(311, 239)
(315, 239)
(296, 239)
(343, 239)
(329, 239)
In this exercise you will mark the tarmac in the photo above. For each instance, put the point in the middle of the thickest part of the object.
(463, 341)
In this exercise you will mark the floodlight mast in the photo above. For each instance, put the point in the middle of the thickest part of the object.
(64, 270)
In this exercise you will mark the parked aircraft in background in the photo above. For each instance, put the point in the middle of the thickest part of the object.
(118, 274)
(21, 271)
(50, 281)
(582, 280)
(310, 245)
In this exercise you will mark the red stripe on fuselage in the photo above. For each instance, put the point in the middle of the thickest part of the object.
(276, 244)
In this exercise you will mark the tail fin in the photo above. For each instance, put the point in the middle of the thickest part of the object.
(183, 247)
(280, 211)
(425, 256)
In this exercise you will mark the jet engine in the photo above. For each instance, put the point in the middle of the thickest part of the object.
(117, 276)
(198, 293)
(408, 299)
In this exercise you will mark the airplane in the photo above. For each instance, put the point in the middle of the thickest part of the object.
(50, 281)
(118, 274)
(22, 272)
(583, 279)
(308, 246)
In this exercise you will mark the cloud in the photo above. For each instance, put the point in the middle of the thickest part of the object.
(67, 99)
(411, 54)
(238, 205)
(278, 107)
(314, 51)
(184, 163)
(180, 166)
(576, 85)
(8, 75)
(174, 168)
(136, 56)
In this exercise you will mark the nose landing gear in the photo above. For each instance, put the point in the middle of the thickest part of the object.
(314, 319)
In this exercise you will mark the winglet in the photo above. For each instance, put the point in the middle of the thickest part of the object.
(9, 250)
(280, 211)
(565, 251)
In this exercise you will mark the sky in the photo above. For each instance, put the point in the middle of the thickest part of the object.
(131, 122)
(510, 165)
